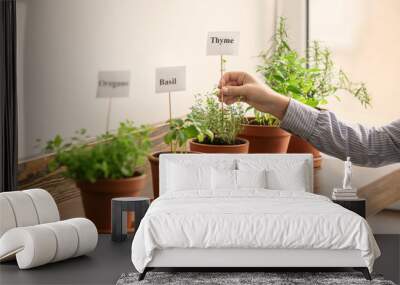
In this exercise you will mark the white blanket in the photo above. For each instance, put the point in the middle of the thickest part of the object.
(250, 219)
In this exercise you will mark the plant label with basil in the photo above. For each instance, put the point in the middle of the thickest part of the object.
(170, 79)
(113, 84)
(223, 43)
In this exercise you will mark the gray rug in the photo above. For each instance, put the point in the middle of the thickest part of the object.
(269, 278)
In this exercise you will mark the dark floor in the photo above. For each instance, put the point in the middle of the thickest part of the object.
(103, 266)
(110, 260)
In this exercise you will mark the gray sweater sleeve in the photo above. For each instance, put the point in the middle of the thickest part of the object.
(371, 147)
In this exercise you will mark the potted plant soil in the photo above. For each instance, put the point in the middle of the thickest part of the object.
(311, 80)
(219, 127)
(111, 166)
(180, 131)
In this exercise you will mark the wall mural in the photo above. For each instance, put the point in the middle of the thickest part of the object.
(138, 95)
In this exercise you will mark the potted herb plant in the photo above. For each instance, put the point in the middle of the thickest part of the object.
(263, 132)
(219, 127)
(180, 131)
(111, 166)
(311, 80)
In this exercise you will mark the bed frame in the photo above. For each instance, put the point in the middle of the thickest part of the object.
(245, 259)
(233, 259)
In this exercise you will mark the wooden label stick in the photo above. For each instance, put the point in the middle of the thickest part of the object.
(223, 43)
(170, 113)
(222, 94)
(108, 114)
(172, 78)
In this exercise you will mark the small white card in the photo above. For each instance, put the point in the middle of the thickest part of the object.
(112, 84)
(170, 79)
(223, 43)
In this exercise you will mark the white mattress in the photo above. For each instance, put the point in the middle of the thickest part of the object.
(251, 219)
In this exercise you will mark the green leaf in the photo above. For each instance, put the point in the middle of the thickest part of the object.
(200, 137)
(57, 141)
(294, 89)
(210, 121)
(125, 171)
(182, 139)
(191, 132)
(53, 165)
(210, 134)
(168, 138)
(291, 74)
(284, 43)
(279, 77)
(179, 122)
(314, 70)
(323, 102)
(113, 155)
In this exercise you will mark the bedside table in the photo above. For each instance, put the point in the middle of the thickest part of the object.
(119, 215)
(356, 206)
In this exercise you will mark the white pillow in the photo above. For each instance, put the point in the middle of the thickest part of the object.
(251, 178)
(188, 177)
(293, 180)
(223, 179)
(282, 174)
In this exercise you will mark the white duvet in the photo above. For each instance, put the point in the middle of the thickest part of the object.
(250, 219)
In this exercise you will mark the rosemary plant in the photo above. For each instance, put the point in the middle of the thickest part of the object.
(311, 81)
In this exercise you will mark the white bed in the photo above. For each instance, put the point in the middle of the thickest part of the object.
(200, 223)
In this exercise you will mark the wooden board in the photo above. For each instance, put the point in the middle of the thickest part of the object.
(382, 192)
(34, 173)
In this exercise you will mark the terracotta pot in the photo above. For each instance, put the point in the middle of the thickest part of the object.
(265, 139)
(242, 146)
(155, 164)
(96, 198)
(299, 145)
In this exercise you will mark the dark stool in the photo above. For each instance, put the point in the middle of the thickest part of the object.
(357, 205)
(119, 212)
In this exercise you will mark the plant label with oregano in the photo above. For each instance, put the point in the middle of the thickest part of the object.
(113, 84)
(169, 79)
(223, 43)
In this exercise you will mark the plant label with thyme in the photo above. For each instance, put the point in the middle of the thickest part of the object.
(112, 84)
(170, 79)
(223, 43)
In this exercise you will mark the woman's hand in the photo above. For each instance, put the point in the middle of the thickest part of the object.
(241, 86)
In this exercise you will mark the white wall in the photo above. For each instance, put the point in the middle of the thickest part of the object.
(295, 14)
(364, 36)
(63, 44)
